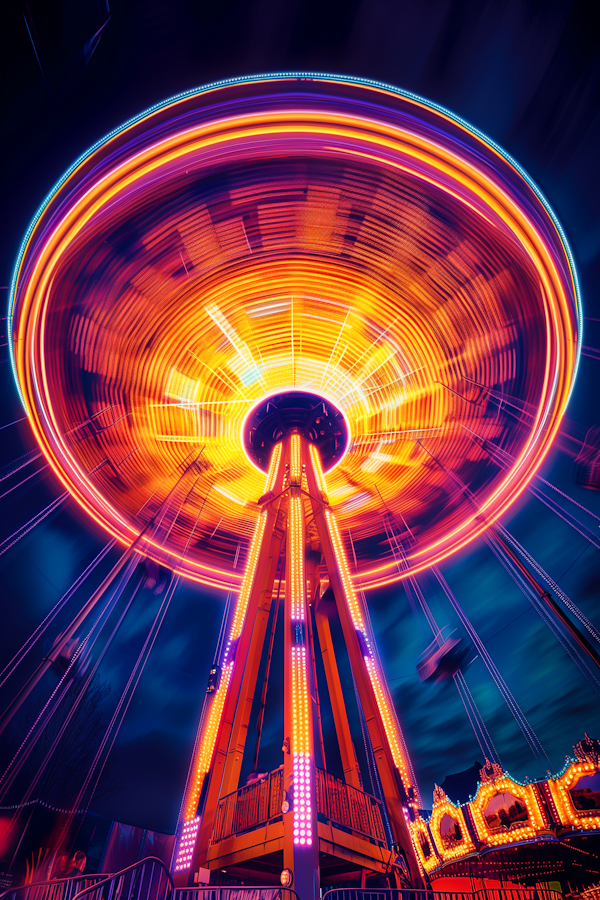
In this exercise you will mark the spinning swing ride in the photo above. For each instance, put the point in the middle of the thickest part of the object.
(308, 336)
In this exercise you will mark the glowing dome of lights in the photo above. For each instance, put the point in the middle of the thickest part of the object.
(284, 233)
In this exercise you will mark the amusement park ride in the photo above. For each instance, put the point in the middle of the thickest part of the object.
(300, 337)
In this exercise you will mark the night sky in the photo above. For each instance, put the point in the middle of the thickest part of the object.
(527, 75)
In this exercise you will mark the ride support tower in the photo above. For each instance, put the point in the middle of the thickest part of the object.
(296, 524)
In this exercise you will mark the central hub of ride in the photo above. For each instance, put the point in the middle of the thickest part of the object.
(318, 420)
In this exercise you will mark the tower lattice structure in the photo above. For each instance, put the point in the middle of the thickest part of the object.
(296, 527)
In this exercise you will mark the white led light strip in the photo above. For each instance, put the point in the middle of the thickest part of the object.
(186, 844)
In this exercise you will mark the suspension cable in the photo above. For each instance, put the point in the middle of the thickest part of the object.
(383, 682)
(566, 600)
(152, 524)
(10, 667)
(528, 733)
(42, 768)
(19, 463)
(413, 589)
(80, 657)
(128, 692)
(539, 604)
(16, 536)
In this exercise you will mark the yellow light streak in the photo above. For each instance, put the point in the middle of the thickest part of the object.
(427, 297)
(207, 746)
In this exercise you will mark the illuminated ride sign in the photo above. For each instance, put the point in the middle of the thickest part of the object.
(505, 812)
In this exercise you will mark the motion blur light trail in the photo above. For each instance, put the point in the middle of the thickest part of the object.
(295, 232)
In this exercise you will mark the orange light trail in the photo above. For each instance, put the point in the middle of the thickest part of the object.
(369, 246)
(209, 738)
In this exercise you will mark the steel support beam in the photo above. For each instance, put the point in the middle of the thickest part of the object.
(300, 832)
(260, 575)
(336, 697)
(352, 619)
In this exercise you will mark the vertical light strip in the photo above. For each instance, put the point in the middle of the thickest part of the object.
(211, 725)
(257, 539)
(387, 719)
(316, 464)
(301, 744)
(302, 767)
(242, 604)
(273, 468)
(208, 742)
(296, 539)
(342, 563)
(295, 459)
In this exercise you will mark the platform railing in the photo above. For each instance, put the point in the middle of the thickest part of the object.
(270, 892)
(148, 879)
(525, 893)
(58, 889)
(249, 806)
(257, 803)
(343, 804)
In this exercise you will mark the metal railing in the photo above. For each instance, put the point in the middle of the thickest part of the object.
(270, 892)
(525, 893)
(350, 807)
(249, 806)
(257, 803)
(148, 879)
(59, 889)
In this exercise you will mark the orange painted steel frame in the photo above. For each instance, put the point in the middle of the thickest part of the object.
(300, 836)
(393, 766)
(298, 488)
(227, 733)
(336, 697)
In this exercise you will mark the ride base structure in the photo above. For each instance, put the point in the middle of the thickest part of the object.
(299, 824)
(300, 820)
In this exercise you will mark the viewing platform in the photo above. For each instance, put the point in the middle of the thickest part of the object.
(247, 835)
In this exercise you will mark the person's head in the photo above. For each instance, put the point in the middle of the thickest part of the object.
(79, 860)
(59, 864)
